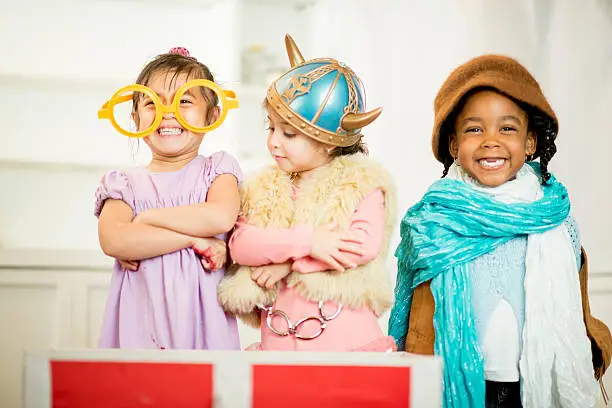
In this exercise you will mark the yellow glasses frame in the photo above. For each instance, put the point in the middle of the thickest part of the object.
(227, 99)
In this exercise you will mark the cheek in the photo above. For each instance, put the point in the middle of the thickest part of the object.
(300, 150)
(519, 149)
(144, 119)
(206, 113)
(195, 116)
(195, 138)
(467, 147)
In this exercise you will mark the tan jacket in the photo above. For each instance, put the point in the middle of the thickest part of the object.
(421, 335)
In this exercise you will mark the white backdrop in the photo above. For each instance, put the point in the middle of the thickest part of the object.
(61, 60)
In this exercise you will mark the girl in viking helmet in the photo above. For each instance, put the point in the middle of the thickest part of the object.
(491, 273)
(311, 243)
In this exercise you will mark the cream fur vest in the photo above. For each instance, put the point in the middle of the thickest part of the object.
(331, 194)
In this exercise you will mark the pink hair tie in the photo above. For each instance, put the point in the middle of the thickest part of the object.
(180, 51)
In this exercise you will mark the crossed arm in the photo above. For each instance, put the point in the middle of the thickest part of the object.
(310, 249)
(161, 231)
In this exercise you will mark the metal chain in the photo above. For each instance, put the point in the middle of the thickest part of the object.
(293, 329)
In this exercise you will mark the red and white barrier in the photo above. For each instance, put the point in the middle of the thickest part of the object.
(232, 379)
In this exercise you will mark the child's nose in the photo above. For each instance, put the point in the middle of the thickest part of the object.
(274, 139)
(491, 140)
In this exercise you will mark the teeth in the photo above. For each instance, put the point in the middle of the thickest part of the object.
(491, 163)
(170, 131)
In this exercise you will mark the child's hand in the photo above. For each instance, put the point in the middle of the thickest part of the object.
(329, 244)
(129, 265)
(213, 252)
(267, 276)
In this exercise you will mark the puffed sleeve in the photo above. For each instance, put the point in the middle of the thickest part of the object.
(115, 186)
(222, 163)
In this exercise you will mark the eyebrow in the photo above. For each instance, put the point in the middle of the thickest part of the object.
(512, 117)
(472, 119)
(505, 117)
(191, 93)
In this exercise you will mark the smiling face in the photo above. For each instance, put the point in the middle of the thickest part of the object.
(491, 138)
(171, 139)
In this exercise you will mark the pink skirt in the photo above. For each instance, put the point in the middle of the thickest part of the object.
(384, 344)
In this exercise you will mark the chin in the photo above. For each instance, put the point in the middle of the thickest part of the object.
(284, 166)
(287, 169)
(493, 180)
(172, 152)
(172, 145)
(492, 177)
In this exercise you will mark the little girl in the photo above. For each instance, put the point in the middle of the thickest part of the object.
(491, 275)
(311, 242)
(159, 221)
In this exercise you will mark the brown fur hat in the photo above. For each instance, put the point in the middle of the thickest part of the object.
(498, 72)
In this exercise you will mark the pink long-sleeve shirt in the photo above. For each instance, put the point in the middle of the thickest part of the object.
(254, 246)
(352, 329)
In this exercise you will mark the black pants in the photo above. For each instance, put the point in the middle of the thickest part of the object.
(503, 395)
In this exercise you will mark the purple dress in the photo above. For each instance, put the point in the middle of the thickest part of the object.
(171, 301)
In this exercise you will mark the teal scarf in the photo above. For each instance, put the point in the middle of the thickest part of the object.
(452, 225)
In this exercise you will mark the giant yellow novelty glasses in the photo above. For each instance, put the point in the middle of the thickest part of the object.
(188, 106)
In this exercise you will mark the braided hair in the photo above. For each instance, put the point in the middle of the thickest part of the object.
(546, 132)
(446, 130)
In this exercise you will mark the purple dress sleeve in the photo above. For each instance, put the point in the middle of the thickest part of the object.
(115, 186)
(223, 163)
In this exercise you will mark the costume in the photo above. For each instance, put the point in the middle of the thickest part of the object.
(123, 97)
(170, 302)
(341, 307)
(489, 278)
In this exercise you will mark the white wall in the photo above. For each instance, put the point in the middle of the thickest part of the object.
(62, 60)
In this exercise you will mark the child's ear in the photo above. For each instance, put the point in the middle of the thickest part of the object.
(531, 144)
(453, 147)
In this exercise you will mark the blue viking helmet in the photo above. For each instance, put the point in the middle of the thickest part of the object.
(322, 97)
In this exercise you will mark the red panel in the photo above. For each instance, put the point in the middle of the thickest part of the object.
(330, 386)
(79, 384)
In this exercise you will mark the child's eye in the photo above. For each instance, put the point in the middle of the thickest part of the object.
(148, 103)
(473, 130)
(185, 101)
(289, 135)
(508, 129)
(270, 128)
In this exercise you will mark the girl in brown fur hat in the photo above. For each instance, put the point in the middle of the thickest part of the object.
(491, 273)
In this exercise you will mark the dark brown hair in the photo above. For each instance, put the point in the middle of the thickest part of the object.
(357, 148)
(176, 64)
